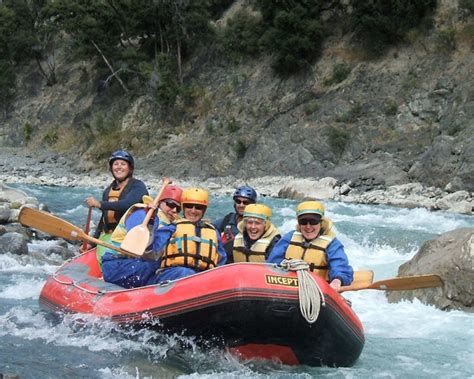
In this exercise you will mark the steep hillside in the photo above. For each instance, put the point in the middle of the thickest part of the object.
(405, 117)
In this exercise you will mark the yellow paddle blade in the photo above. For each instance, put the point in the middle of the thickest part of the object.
(363, 278)
(136, 240)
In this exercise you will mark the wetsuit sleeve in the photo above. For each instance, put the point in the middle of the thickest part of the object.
(162, 236)
(133, 195)
(338, 263)
(279, 249)
(218, 224)
(136, 218)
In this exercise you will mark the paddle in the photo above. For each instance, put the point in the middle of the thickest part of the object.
(363, 278)
(397, 284)
(138, 238)
(55, 226)
(86, 230)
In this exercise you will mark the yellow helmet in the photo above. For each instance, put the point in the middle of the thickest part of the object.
(311, 207)
(195, 196)
(258, 211)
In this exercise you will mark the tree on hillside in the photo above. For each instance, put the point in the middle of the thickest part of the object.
(292, 32)
(381, 23)
(25, 33)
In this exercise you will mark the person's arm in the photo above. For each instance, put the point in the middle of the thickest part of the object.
(218, 224)
(338, 262)
(277, 254)
(161, 237)
(134, 195)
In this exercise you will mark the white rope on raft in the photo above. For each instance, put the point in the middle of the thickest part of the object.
(310, 295)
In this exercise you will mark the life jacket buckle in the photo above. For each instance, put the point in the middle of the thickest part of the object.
(196, 239)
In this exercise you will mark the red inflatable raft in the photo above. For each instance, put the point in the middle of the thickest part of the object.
(252, 309)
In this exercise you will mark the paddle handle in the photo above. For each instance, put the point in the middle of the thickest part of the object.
(154, 205)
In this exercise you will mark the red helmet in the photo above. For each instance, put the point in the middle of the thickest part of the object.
(173, 193)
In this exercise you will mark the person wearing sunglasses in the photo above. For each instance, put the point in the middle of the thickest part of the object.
(137, 272)
(315, 242)
(227, 225)
(193, 246)
(256, 236)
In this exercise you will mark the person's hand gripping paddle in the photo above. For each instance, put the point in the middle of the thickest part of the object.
(137, 239)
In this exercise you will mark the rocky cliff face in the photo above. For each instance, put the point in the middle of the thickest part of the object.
(405, 118)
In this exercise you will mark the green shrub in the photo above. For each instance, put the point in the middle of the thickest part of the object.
(240, 149)
(340, 71)
(351, 114)
(337, 139)
(51, 137)
(311, 107)
(390, 107)
(241, 35)
(27, 130)
(7, 84)
(233, 125)
(293, 33)
(467, 5)
(447, 39)
(381, 23)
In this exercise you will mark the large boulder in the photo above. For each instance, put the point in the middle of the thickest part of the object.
(451, 257)
(14, 243)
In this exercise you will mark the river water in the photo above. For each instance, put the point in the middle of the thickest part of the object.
(403, 340)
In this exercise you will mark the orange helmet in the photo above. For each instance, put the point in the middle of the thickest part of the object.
(173, 193)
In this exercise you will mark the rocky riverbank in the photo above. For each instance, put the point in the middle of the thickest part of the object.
(47, 168)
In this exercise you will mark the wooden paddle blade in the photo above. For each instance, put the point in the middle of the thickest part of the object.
(136, 240)
(408, 283)
(50, 224)
(399, 284)
(363, 278)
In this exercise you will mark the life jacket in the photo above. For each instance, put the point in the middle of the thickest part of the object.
(110, 217)
(188, 249)
(314, 251)
(259, 250)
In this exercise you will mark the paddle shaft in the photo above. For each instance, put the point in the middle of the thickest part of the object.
(154, 205)
(58, 227)
(398, 284)
(87, 228)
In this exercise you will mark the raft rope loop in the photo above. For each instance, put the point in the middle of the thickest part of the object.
(310, 294)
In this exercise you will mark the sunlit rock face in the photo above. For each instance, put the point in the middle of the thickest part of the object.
(451, 257)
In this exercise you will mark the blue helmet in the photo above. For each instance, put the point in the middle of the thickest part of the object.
(247, 192)
(123, 155)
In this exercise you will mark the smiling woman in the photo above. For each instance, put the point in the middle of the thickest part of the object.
(120, 195)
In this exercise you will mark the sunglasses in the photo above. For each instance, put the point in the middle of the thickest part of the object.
(244, 202)
(173, 205)
(306, 221)
(199, 207)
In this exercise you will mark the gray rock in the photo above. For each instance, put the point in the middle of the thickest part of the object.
(61, 250)
(4, 213)
(14, 243)
(451, 257)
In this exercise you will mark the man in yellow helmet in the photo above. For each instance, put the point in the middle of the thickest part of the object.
(316, 243)
(190, 245)
(256, 236)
